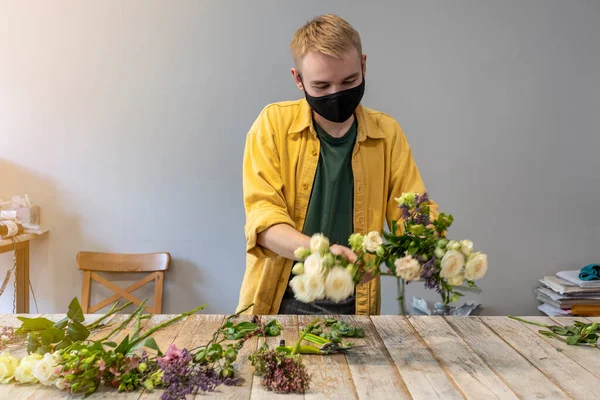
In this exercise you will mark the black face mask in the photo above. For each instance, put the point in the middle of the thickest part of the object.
(339, 106)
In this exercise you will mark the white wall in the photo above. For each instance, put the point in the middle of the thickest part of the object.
(125, 121)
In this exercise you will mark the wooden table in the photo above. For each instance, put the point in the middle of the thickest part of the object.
(21, 249)
(400, 358)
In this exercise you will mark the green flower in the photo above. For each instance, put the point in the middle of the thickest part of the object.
(407, 199)
(356, 242)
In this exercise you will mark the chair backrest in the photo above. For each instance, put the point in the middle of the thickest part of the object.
(91, 263)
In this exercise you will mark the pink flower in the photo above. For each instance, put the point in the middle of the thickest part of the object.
(172, 352)
(100, 364)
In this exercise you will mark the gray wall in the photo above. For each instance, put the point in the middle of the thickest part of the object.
(125, 121)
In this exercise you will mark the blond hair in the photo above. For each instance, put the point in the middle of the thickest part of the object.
(327, 34)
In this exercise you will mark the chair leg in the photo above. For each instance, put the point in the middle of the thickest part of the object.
(158, 292)
(85, 291)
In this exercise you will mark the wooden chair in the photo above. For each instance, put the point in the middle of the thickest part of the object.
(92, 263)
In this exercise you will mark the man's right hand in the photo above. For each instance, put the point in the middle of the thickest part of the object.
(343, 251)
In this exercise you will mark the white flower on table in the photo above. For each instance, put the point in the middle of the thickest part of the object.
(43, 370)
(8, 364)
(24, 372)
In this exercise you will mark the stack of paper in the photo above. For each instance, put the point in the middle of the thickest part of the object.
(566, 294)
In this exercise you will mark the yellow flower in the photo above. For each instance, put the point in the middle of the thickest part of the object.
(8, 364)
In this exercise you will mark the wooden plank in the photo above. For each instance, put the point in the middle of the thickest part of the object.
(474, 378)
(372, 369)
(330, 375)
(519, 374)
(575, 380)
(424, 376)
(290, 335)
(586, 356)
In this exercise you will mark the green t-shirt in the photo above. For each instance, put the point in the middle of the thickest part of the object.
(331, 206)
(330, 211)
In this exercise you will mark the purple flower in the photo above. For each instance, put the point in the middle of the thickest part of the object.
(429, 274)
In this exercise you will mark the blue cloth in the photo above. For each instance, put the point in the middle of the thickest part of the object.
(590, 273)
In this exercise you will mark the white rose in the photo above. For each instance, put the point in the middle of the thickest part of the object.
(372, 241)
(24, 372)
(408, 268)
(453, 245)
(452, 264)
(314, 264)
(476, 266)
(319, 243)
(315, 284)
(339, 284)
(466, 247)
(456, 280)
(298, 269)
(43, 370)
(8, 364)
(308, 287)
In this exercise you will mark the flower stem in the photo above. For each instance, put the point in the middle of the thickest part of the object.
(528, 322)
(112, 311)
(304, 332)
(401, 295)
(139, 310)
(165, 324)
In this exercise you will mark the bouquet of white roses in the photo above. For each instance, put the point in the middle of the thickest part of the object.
(420, 252)
(322, 274)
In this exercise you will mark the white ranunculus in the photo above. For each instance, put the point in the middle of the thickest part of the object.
(301, 253)
(452, 264)
(298, 285)
(456, 280)
(315, 284)
(308, 287)
(24, 372)
(339, 284)
(372, 241)
(466, 247)
(8, 364)
(408, 268)
(439, 252)
(476, 266)
(314, 264)
(298, 269)
(319, 243)
(43, 370)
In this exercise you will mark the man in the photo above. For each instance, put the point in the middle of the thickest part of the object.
(323, 164)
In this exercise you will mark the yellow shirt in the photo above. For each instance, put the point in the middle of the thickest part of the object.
(280, 161)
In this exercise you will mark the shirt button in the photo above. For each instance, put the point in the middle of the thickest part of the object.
(305, 186)
(314, 153)
(281, 280)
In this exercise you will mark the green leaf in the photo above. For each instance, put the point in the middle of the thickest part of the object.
(62, 324)
(151, 343)
(77, 332)
(35, 324)
(123, 347)
(52, 335)
(572, 340)
(75, 312)
(32, 344)
(110, 344)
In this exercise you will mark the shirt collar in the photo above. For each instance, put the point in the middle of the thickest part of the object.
(366, 126)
